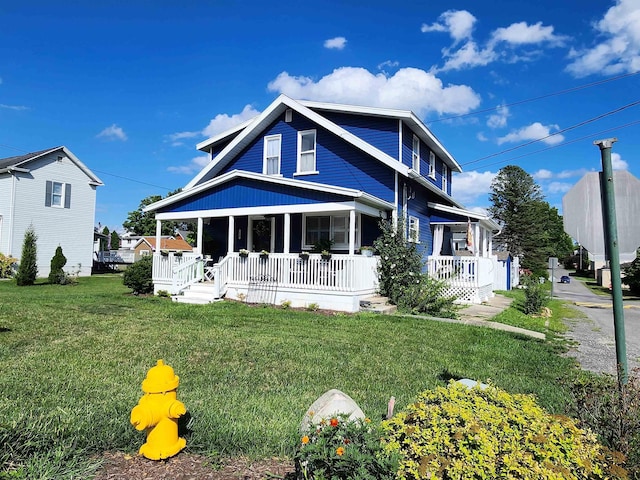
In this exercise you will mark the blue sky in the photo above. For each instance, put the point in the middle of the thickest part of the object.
(131, 87)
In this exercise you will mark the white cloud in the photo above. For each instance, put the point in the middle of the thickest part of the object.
(572, 173)
(535, 131)
(468, 187)
(619, 51)
(481, 136)
(176, 138)
(14, 107)
(522, 34)
(543, 174)
(195, 165)
(458, 23)
(388, 63)
(113, 133)
(336, 43)
(617, 162)
(409, 88)
(223, 122)
(468, 56)
(559, 187)
(498, 119)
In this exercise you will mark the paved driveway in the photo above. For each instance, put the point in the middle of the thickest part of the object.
(596, 350)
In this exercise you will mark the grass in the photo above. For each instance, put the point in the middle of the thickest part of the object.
(72, 359)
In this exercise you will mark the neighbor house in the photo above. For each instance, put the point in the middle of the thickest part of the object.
(55, 193)
(304, 176)
(168, 244)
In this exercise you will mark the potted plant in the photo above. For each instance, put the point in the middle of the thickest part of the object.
(304, 255)
(264, 254)
(244, 253)
(177, 253)
(367, 251)
(325, 254)
(164, 253)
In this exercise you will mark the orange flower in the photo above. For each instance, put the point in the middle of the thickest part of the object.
(368, 420)
(305, 440)
(334, 422)
(340, 451)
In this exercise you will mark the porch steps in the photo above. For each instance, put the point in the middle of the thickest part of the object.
(377, 304)
(199, 293)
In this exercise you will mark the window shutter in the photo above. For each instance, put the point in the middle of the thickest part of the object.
(47, 198)
(67, 195)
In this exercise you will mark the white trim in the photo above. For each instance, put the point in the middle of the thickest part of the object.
(415, 153)
(357, 227)
(432, 164)
(209, 142)
(432, 187)
(302, 133)
(487, 222)
(415, 222)
(265, 157)
(445, 179)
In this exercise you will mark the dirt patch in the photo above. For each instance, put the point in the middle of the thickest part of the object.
(186, 466)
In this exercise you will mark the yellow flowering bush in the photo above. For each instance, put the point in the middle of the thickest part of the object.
(456, 432)
(339, 448)
(7, 266)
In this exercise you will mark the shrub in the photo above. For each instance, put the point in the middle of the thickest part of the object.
(460, 432)
(7, 266)
(427, 296)
(138, 277)
(612, 411)
(535, 294)
(28, 269)
(632, 276)
(339, 448)
(56, 274)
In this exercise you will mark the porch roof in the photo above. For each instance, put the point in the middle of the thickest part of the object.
(453, 215)
(242, 193)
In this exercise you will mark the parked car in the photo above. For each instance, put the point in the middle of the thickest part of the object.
(565, 279)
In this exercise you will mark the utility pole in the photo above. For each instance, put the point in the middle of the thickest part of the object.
(612, 248)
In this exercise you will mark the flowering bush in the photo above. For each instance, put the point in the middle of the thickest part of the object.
(460, 432)
(342, 449)
(7, 266)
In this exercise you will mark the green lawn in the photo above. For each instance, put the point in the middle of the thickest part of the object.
(72, 359)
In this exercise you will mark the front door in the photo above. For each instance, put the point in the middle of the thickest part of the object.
(262, 235)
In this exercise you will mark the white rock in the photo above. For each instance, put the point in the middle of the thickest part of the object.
(472, 383)
(328, 405)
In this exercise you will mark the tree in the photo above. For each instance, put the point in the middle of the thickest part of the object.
(103, 241)
(138, 277)
(115, 240)
(144, 223)
(28, 269)
(56, 274)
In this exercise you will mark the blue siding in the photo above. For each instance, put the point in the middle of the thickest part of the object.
(337, 162)
(244, 192)
(382, 133)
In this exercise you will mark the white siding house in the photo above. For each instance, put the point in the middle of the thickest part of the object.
(53, 191)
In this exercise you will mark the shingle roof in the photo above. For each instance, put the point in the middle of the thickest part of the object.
(169, 244)
(12, 161)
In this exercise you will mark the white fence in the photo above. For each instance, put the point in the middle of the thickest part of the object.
(470, 279)
(116, 256)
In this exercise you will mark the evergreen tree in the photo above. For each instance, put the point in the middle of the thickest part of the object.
(115, 240)
(28, 268)
(103, 241)
(56, 274)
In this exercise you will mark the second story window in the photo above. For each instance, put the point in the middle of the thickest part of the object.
(57, 194)
(271, 162)
(415, 154)
(414, 229)
(307, 151)
(432, 165)
(445, 178)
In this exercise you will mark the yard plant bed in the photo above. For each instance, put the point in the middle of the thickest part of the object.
(73, 358)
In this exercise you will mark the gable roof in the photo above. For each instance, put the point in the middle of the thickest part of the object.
(166, 243)
(20, 162)
(481, 218)
(255, 128)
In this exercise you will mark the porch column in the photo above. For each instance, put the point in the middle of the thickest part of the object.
(490, 243)
(230, 235)
(287, 232)
(158, 236)
(352, 232)
(485, 243)
(476, 234)
(199, 239)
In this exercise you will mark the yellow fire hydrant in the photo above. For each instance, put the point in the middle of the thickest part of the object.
(158, 411)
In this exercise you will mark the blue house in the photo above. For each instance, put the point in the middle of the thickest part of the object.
(306, 176)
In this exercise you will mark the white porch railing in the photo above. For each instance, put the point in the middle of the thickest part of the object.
(116, 256)
(468, 278)
(177, 272)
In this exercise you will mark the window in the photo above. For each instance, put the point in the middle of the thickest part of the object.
(145, 253)
(57, 194)
(445, 178)
(271, 165)
(432, 165)
(307, 151)
(415, 154)
(414, 229)
(323, 228)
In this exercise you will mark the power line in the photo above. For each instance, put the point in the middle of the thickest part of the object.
(577, 125)
(533, 99)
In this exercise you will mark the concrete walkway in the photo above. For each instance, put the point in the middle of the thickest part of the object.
(480, 316)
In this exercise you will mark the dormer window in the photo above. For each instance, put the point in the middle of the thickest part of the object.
(415, 154)
(307, 152)
(432, 165)
(445, 178)
(271, 160)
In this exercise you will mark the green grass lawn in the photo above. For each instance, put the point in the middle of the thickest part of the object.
(72, 359)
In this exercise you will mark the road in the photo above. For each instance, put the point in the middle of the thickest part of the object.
(596, 349)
